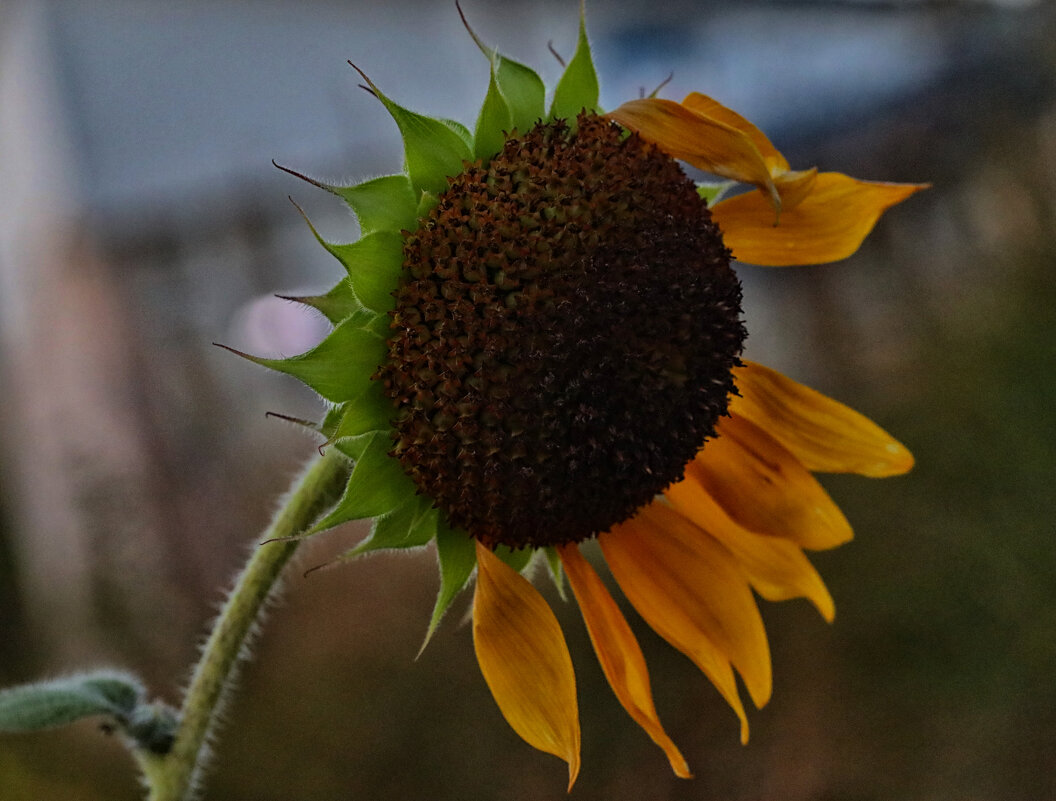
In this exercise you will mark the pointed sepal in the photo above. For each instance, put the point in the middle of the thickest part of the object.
(457, 557)
(434, 150)
(375, 264)
(515, 99)
(382, 204)
(578, 88)
(338, 368)
(410, 525)
(376, 487)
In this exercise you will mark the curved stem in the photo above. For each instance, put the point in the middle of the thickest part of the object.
(173, 777)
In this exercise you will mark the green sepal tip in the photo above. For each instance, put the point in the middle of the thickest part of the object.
(336, 305)
(578, 88)
(434, 149)
(493, 123)
(376, 487)
(515, 100)
(410, 525)
(380, 204)
(457, 556)
(339, 367)
(374, 263)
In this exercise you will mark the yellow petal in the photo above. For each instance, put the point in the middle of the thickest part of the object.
(828, 225)
(708, 107)
(765, 488)
(688, 588)
(825, 435)
(524, 659)
(776, 567)
(795, 187)
(706, 143)
(618, 652)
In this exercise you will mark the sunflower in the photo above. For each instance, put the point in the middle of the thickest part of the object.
(538, 343)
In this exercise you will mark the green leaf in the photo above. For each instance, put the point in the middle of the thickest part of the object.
(712, 192)
(433, 148)
(47, 704)
(382, 204)
(578, 87)
(377, 485)
(337, 304)
(457, 555)
(375, 264)
(557, 573)
(371, 411)
(338, 368)
(493, 122)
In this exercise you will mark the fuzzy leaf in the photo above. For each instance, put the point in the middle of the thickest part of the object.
(433, 148)
(578, 87)
(457, 556)
(377, 486)
(374, 263)
(47, 704)
(493, 122)
(382, 204)
(339, 367)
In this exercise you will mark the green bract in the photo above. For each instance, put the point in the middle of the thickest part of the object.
(340, 367)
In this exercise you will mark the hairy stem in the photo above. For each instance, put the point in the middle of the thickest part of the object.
(174, 776)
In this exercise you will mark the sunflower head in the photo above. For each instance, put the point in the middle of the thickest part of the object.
(563, 336)
(537, 342)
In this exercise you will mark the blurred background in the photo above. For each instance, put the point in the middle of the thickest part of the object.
(142, 221)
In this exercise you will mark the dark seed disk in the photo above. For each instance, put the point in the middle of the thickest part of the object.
(562, 343)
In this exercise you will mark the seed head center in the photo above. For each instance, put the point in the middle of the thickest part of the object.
(563, 339)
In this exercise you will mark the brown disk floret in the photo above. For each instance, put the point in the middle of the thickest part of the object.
(562, 342)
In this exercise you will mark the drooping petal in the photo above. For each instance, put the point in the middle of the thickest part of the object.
(688, 588)
(765, 488)
(522, 654)
(777, 568)
(795, 186)
(706, 143)
(709, 107)
(828, 225)
(618, 652)
(825, 435)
